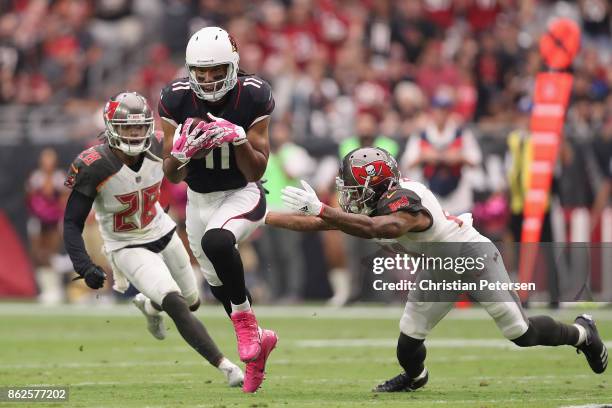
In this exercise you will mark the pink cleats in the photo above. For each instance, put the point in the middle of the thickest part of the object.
(254, 347)
(255, 370)
(247, 334)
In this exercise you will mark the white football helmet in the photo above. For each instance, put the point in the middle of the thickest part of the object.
(208, 47)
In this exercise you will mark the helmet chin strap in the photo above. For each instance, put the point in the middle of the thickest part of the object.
(129, 152)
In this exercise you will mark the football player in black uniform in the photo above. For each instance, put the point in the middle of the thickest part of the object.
(120, 179)
(222, 158)
(378, 204)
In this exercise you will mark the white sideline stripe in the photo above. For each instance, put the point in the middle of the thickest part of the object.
(140, 363)
(588, 406)
(433, 343)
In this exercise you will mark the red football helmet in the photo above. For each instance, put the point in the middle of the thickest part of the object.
(366, 174)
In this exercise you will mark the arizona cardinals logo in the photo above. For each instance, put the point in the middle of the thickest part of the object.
(234, 45)
(110, 109)
(377, 171)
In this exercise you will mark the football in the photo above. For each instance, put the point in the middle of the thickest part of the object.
(204, 152)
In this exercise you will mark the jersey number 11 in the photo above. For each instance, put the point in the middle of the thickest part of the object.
(225, 153)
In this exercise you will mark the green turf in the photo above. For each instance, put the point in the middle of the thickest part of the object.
(109, 360)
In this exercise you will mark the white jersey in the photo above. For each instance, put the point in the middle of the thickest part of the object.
(126, 202)
(413, 196)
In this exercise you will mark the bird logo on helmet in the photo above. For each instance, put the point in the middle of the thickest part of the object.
(366, 174)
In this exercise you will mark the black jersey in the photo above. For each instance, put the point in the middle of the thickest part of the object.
(246, 104)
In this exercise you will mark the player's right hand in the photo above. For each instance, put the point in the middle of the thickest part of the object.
(302, 200)
(188, 141)
(94, 276)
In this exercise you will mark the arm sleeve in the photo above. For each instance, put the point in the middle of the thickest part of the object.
(77, 210)
(399, 199)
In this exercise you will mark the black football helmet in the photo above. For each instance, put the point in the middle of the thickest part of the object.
(129, 123)
(366, 174)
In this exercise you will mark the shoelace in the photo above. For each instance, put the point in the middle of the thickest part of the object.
(397, 380)
(248, 325)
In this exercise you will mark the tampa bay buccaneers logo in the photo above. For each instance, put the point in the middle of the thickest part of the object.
(110, 108)
(377, 171)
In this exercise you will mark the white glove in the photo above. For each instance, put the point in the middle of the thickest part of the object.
(305, 201)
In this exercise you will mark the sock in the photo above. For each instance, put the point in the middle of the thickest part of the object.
(225, 365)
(582, 334)
(411, 355)
(221, 294)
(190, 328)
(546, 331)
(219, 245)
(150, 309)
(422, 375)
(243, 307)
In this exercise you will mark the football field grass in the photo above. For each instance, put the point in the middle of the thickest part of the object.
(325, 358)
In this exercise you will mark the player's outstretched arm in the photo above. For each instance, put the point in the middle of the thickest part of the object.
(252, 156)
(385, 226)
(393, 225)
(296, 222)
(173, 169)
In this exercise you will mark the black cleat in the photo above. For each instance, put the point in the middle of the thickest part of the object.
(402, 382)
(593, 348)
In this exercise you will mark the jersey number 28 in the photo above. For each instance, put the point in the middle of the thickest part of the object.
(143, 200)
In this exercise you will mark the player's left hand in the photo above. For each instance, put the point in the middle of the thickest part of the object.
(230, 133)
(93, 275)
(304, 201)
(189, 140)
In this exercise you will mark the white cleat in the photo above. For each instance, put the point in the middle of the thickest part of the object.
(155, 323)
(234, 375)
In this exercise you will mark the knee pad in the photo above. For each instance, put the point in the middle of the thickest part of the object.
(218, 242)
(508, 317)
(195, 306)
(193, 300)
(174, 303)
(527, 339)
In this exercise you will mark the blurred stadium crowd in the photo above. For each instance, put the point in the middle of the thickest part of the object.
(444, 85)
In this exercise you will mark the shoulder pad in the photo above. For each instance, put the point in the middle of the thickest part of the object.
(399, 199)
(170, 98)
(259, 96)
(90, 168)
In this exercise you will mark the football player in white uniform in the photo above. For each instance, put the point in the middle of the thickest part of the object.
(378, 204)
(221, 157)
(121, 180)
